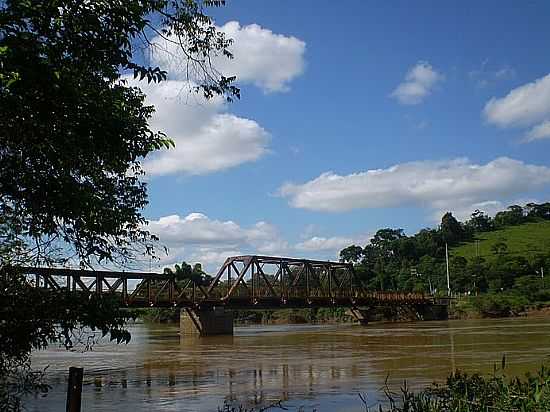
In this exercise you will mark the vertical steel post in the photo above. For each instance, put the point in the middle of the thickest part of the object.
(329, 270)
(253, 282)
(306, 268)
(98, 284)
(282, 267)
(228, 279)
(74, 390)
(125, 290)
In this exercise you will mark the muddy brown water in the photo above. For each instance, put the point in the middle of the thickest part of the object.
(310, 366)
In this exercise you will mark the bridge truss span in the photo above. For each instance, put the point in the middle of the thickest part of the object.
(242, 282)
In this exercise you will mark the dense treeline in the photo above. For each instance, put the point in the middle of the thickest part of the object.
(394, 261)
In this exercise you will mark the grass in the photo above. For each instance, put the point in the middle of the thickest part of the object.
(526, 240)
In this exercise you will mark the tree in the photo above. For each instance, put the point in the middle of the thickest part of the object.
(512, 216)
(541, 211)
(480, 222)
(73, 134)
(185, 272)
(499, 248)
(352, 254)
(451, 229)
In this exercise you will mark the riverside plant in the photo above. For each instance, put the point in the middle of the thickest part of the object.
(473, 393)
(461, 393)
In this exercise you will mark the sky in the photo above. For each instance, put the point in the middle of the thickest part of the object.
(354, 116)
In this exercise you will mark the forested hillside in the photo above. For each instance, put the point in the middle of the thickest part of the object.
(500, 255)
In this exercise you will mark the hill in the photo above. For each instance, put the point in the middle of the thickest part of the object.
(526, 239)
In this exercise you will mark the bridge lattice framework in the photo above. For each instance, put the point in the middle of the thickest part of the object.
(242, 282)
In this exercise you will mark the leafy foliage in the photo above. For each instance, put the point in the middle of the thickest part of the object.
(72, 132)
(474, 393)
(32, 318)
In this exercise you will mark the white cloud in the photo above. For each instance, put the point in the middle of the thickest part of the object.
(206, 138)
(538, 132)
(199, 238)
(334, 243)
(196, 237)
(419, 83)
(268, 60)
(437, 185)
(522, 106)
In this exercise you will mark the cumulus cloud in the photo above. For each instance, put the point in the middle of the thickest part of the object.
(207, 138)
(438, 185)
(199, 238)
(522, 106)
(269, 61)
(334, 243)
(265, 59)
(419, 83)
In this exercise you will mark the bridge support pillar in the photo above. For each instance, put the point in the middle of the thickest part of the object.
(216, 321)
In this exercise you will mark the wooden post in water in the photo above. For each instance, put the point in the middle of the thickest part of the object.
(74, 390)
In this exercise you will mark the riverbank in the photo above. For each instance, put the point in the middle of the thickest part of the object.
(476, 307)
(501, 305)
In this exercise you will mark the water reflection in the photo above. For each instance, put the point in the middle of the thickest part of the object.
(324, 366)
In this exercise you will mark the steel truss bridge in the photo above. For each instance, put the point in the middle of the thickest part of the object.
(243, 282)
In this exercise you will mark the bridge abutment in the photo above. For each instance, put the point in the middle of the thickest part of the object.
(216, 321)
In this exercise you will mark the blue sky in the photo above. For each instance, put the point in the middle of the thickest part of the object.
(354, 116)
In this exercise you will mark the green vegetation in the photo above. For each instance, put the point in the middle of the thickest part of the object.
(504, 279)
(528, 239)
(73, 134)
(475, 393)
(320, 315)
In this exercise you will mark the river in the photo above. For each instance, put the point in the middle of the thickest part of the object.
(314, 366)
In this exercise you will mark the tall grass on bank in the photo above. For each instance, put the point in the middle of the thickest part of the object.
(474, 393)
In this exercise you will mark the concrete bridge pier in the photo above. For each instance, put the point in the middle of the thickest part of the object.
(210, 322)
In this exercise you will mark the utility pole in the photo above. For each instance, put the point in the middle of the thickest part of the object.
(448, 277)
